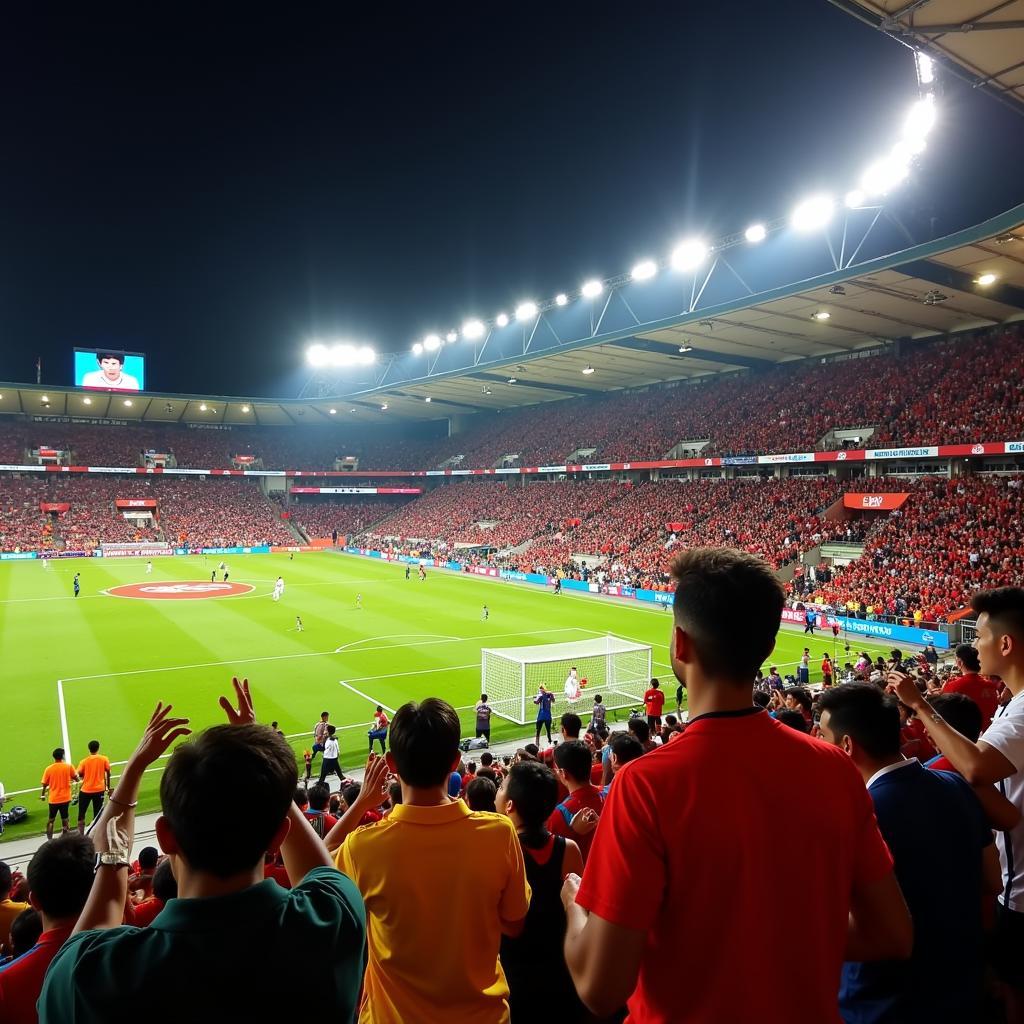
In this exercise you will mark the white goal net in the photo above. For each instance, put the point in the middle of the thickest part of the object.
(619, 670)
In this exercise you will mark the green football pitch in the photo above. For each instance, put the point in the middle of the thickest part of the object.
(93, 667)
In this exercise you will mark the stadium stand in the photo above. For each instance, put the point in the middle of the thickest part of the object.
(321, 518)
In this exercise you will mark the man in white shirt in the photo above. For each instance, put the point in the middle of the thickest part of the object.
(110, 374)
(572, 686)
(330, 764)
(996, 759)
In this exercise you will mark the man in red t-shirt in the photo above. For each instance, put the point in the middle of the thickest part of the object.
(970, 682)
(572, 767)
(60, 877)
(654, 701)
(675, 874)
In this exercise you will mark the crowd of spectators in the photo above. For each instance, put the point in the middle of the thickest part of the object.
(320, 518)
(22, 525)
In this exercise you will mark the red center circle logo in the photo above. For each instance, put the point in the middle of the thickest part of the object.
(180, 590)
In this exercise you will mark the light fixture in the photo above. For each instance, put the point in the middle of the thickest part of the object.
(526, 310)
(202, 407)
(755, 233)
(485, 390)
(812, 213)
(87, 400)
(351, 410)
(417, 349)
(432, 342)
(333, 412)
(587, 370)
(822, 314)
(501, 320)
(561, 299)
(427, 399)
(245, 408)
(689, 255)
(855, 199)
(644, 270)
(986, 279)
(366, 356)
(452, 336)
(44, 398)
(925, 68)
(128, 402)
(512, 380)
(920, 118)
(884, 175)
(683, 349)
(592, 288)
(473, 329)
(318, 355)
(384, 407)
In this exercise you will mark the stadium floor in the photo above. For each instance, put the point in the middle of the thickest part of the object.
(93, 667)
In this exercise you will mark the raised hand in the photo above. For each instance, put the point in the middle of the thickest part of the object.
(584, 821)
(905, 689)
(244, 715)
(160, 733)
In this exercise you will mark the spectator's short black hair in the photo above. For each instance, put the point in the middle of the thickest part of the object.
(6, 879)
(94, 746)
(787, 716)
(165, 887)
(969, 656)
(231, 759)
(574, 759)
(625, 747)
(960, 712)
(480, 794)
(715, 589)
(319, 796)
(1005, 607)
(301, 796)
(571, 723)
(671, 721)
(425, 742)
(532, 749)
(761, 699)
(486, 758)
(533, 788)
(488, 773)
(865, 714)
(639, 728)
(331, 730)
(25, 931)
(60, 875)
(148, 857)
(395, 793)
(801, 695)
(350, 792)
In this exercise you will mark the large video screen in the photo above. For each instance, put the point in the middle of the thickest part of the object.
(108, 369)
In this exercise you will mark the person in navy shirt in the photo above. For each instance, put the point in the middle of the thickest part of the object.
(544, 699)
(945, 862)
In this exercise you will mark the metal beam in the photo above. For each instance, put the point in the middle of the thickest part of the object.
(951, 277)
(672, 352)
(494, 378)
(438, 400)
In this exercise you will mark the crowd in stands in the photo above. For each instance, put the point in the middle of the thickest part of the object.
(912, 398)
(321, 518)
(605, 875)
(22, 525)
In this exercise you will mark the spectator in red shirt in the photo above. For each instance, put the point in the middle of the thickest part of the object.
(60, 877)
(654, 701)
(164, 888)
(974, 685)
(675, 874)
(572, 766)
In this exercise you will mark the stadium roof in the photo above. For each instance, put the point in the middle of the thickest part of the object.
(979, 40)
(923, 292)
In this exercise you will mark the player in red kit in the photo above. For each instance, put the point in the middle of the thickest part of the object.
(654, 701)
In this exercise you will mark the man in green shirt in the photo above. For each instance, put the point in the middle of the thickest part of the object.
(232, 945)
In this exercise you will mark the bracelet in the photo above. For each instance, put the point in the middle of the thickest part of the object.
(123, 803)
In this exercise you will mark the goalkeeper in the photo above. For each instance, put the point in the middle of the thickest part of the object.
(544, 699)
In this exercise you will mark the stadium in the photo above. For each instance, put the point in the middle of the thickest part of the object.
(525, 514)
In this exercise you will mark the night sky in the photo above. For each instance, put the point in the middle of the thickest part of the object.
(216, 188)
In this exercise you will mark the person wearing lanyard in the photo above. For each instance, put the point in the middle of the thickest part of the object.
(997, 759)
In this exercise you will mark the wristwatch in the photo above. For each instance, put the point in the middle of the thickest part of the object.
(110, 860)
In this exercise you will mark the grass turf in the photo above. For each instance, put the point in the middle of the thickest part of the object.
(116, 657)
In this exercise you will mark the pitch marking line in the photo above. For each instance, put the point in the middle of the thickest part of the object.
(366, 696)
(63, 720)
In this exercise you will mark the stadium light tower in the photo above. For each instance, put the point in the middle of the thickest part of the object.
(318, 355)
(812, 213)
(644, 270)
(689, 255)
(526, 310)
(473, 330)
(592, 288)
(431, 342)
(755, 233)
(561, 299)
(501, 320)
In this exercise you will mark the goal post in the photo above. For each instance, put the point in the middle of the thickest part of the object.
(619, 670)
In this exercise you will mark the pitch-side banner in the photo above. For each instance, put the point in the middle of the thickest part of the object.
(874, 502)
(357, 490)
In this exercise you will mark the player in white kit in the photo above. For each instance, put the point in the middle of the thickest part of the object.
(572, 685)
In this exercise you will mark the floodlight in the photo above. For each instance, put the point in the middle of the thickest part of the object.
(202, 407)
(587, 370)
(689, 255)
(384, 407)
(333, 412)
(561, 299)
(87, 400)
(417, 349)
(920, 118)
(883, 175)
(812, 213)
(427, 399)
(683, 349)
(986, 279)
(644, 270)
(473, 329)
(245, 408)
(501, 320)
(128, 402)
(512, 380)
(855, 199)
(526, 310)
(318, 355)
(755, 233)
(592, 288)
(925, 68)
(342, 354)
(431, 342)
(366, 356)
(451, 336)
(822, 314)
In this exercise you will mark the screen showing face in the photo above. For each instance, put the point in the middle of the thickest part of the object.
(109, 369)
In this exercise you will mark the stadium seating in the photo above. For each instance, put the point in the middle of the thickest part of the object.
(321, 518)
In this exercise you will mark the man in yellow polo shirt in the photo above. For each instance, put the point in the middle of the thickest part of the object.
(95, 774)
(441, 885)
